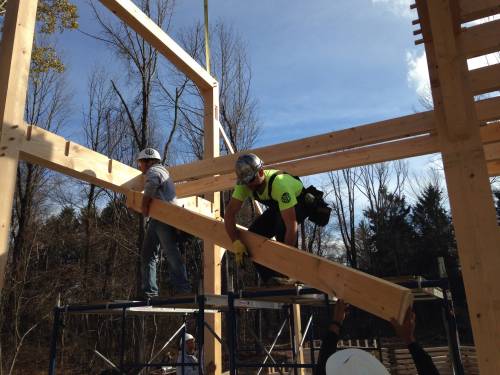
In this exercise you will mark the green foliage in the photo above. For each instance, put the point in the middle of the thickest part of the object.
(57, 15)
(391, 235)
(434, 232)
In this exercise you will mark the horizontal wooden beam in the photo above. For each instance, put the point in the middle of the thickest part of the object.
(383, 131)
(129, 13)
(494, 168)
(417, 146)
(475, 9)
(379, 297)
(485, 79)
(49, 150)
(481, 39)
(321, 144)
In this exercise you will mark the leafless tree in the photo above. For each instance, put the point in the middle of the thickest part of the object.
(231, 67)
(344, 185)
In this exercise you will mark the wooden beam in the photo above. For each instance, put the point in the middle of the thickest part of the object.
(475, 9)
(406, 148)
(129, 13)
(467, 179)
(372, 294)
(299, 351)
(494, 168)
(383, 131)
(321, 144)
(492, 152)
(481, 39)
(15, 56)
(485, 80)
(212, 252)
(488, 110)
(49, 150)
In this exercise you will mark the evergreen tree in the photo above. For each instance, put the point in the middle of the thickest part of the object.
(391, 236)
(434, 233)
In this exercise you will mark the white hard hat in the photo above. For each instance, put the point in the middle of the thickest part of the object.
(148, 153)
(354, 362)
(187, 337)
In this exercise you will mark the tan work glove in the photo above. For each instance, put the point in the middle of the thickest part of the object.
(240, 252)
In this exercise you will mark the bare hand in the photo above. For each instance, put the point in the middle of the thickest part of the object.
(406, 330)
(340, 311)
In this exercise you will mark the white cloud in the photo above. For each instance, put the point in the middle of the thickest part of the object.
(418, 75)
(398, 7)
(481, 61)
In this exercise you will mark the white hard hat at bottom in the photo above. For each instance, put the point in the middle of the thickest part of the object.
(187, 337)
(354, 362)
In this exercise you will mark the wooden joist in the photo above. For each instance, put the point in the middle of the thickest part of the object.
(377, 296)
(416, 146)
(475, 9)
(129, 13)
(485, 79)
(481, 39)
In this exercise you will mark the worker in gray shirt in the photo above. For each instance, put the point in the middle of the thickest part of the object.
(159, 185)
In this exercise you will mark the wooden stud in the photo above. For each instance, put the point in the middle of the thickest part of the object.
(16, 46)
(464, 163)
(129, 13)
(481, 39)
(377, 296)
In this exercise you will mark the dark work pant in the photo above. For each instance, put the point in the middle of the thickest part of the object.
(270, 224)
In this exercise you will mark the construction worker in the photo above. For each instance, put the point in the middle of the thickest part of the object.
(282, 193)
(187, 356)
(159, 185)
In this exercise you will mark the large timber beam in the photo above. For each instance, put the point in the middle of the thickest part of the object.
(49, 150)
(15, 56)
(321, 144)
(481, 39)
(364, 135)
(129, 13)
(212, 252)
(475, 9)
(406, 148)
(379, 297)
(466, 174)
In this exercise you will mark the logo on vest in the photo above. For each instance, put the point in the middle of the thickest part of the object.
(285, 198)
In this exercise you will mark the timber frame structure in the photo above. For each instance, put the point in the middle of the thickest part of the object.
(462, 129)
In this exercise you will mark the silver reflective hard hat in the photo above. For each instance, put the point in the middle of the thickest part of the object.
(246, 168)
(148, 153)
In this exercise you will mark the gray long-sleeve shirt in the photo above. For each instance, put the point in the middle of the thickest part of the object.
(159, 185)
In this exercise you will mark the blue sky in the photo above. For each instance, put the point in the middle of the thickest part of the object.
(317, 65)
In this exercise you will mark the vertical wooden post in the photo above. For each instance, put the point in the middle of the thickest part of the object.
(467, 180)
(212, 254)
(298, 336)
(15, 58)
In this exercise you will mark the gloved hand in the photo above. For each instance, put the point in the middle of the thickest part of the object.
(240, 251)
